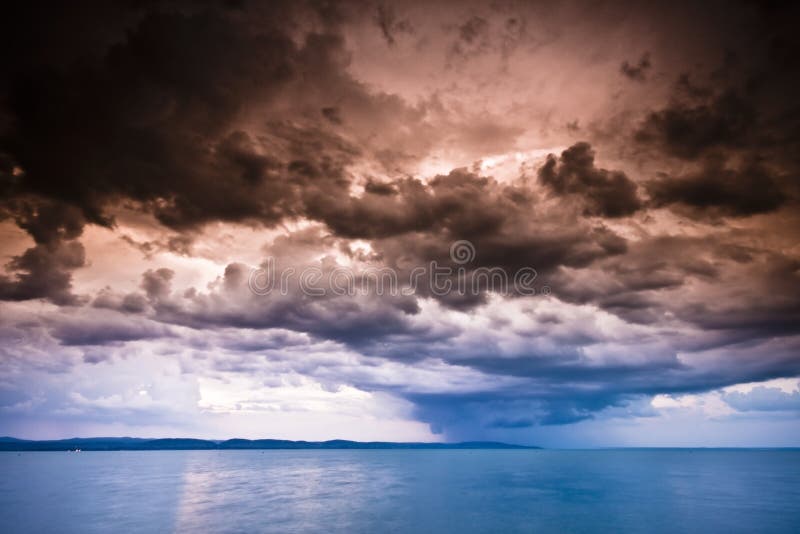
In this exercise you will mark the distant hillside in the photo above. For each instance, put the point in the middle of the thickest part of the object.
(140, 444)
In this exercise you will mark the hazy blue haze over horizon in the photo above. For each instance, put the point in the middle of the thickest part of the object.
(634, 490)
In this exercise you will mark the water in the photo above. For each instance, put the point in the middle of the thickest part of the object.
(401, 491)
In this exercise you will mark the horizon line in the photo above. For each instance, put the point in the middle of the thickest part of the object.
(7, 442)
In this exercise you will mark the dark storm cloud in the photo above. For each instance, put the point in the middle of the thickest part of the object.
(155, 118)
(48, 222)
(355, 320)
(414, 223)
(687, 130)
(142, 123)
(148, 120)
(729, 134)
(735, 125)
(729, 293)
(605, 193)
(716, 190)
(552, 398)
(146, 109)
(480, 413)
(771, 303)
(44, 271)
(409, 205)
(370, 326)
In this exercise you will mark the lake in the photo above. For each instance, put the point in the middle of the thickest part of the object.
(627, 490)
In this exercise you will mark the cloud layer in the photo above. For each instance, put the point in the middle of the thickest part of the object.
(153, 156)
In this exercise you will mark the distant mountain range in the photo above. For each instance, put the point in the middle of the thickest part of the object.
(186, 444)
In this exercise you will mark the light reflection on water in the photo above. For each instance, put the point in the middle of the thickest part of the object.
(401, 491)
(281, 491)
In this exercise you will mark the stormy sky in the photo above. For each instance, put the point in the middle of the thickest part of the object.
(640, 162)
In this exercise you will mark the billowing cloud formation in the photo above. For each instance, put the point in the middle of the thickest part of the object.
(153, 156)
(715, 190)
(44, 271)
(607, 194)
(688, 131)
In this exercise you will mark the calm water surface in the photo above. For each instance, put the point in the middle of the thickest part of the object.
(401, 491)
